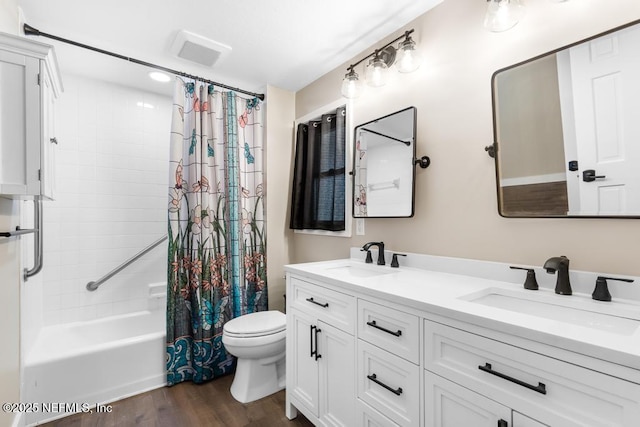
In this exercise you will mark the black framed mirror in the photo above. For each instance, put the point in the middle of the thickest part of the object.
(567, 130)
(383, 166)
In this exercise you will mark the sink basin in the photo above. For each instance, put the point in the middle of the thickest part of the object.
(613, 317)
(357, 271)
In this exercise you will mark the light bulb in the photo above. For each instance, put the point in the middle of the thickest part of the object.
(408, 59)
(351, 85)
(376, 72)
(503, 14)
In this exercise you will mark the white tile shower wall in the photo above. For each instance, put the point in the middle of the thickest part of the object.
(112, 174)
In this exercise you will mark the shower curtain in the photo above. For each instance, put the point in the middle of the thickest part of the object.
(217, 243)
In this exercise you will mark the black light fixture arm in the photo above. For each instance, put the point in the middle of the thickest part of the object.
(31, 31)
(377, 51)
(423, 162)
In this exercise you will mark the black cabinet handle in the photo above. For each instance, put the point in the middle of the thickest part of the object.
(318, 356)
(325, 305)
(503, 423)
(540, 388)
(375, 325)
(311, 329)
(53, 140)
(313, 339)
(375, 379)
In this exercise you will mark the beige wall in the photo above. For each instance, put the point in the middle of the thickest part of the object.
(529, 120)
(9, 271)
(279, 118)
(456, 212)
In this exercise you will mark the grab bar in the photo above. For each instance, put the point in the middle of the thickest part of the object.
(92, 286)
(38, 243)
(17, 232)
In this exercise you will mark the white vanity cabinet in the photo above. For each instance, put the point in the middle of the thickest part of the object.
(29, 84)
(451, 405)
(320, 354)
(486, 380)
(388, 374)
(357, 355)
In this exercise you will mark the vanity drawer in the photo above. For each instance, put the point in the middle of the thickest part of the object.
(389, 383)
(390, 329)
(334, 308)
(369, 417)
(563, 393)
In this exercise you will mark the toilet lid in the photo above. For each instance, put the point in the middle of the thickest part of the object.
(256, 324)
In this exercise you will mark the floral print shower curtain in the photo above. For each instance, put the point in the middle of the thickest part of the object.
(217, 242)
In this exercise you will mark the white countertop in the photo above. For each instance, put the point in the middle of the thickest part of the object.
(443, 293)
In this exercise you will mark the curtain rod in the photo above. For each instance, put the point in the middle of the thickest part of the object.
(31, 31)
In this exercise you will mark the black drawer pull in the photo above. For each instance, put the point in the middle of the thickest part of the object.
(540, 388)
(375, 325)
(373, 378)
(325, 305)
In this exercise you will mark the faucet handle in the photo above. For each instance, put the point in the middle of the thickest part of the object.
(601, 292)
(369, 259)
(394, 260)
(530, 282)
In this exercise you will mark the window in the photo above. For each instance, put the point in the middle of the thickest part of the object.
(320, 190)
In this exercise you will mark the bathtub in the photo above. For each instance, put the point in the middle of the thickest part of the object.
(84, 364)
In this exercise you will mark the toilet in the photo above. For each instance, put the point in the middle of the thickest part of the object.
(258, 341)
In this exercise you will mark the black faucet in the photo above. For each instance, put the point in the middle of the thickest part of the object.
(380, 246)
(561, 265)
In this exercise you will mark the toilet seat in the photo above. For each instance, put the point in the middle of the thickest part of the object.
(259, 324)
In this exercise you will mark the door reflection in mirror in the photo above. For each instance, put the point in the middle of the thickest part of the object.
(561, 115)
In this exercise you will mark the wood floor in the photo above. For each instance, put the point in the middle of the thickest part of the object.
(189, 405)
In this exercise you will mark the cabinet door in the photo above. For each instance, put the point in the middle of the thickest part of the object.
(450, 405)
(336, 352)
(389, 384)
(20, 125)
(49, 140)
(520, 420)
(302, 375)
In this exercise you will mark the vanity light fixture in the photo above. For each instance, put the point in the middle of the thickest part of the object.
(409, 59)
(351, 85)
(503, 14)
(377, 69)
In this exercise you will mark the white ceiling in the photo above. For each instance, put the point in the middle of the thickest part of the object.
(285, 43)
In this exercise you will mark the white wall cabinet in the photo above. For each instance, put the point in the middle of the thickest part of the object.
(320, 356)
(29, 84)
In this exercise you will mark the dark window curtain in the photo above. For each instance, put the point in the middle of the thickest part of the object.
(318, 198)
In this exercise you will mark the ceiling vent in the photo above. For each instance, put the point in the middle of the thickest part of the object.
(201, 50)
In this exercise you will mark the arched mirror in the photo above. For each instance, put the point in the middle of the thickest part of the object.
(383, 166)
(567, 130)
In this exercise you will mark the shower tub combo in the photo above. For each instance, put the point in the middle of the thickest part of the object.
(76, 366)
